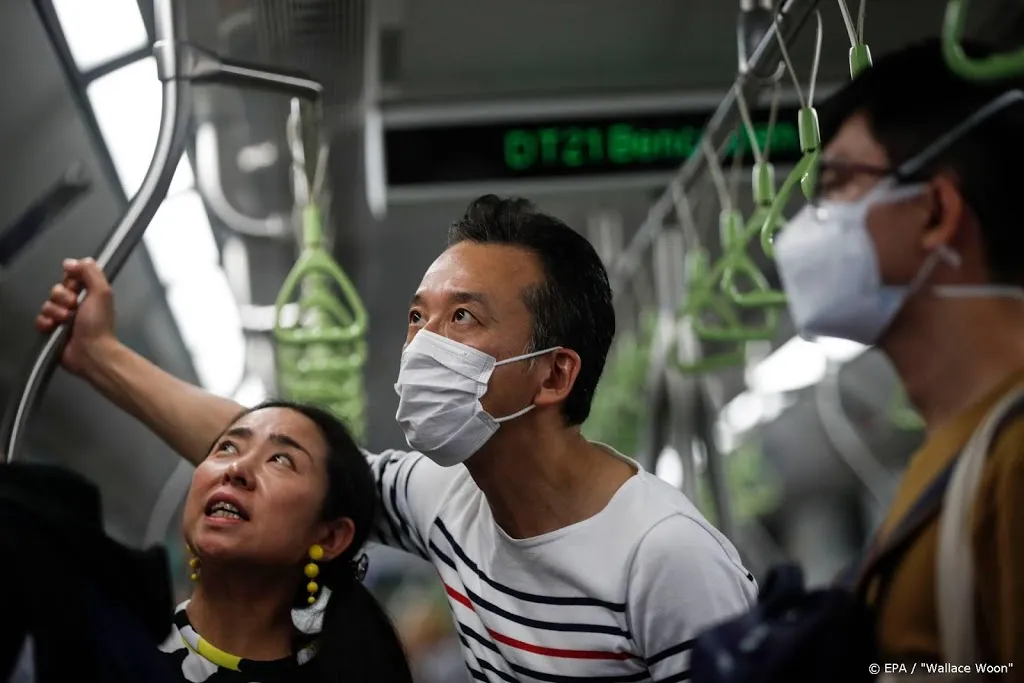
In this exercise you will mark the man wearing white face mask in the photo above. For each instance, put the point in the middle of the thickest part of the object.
(562, 560)
(915, 244)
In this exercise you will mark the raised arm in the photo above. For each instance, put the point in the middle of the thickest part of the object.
(187, 418)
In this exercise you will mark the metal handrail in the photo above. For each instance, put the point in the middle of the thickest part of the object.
(179, 66)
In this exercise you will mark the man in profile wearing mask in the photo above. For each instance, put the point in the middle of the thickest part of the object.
(914, 243)
(562, 560)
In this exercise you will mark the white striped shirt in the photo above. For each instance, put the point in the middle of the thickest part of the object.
(616, 597)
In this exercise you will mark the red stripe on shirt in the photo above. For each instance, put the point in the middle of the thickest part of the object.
(539, 649)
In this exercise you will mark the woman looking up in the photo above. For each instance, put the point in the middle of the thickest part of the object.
(275, 519)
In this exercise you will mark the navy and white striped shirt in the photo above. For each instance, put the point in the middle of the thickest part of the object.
(617, 597)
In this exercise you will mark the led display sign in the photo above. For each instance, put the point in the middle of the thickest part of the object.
(581, 146)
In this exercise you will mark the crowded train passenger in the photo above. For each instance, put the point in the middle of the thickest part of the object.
(560, 557)
(276, 517)
(915, 245)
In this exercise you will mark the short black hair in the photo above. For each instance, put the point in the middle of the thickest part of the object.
(573, 306)
(910, 98)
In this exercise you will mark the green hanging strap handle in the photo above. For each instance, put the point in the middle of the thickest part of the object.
(739, 265)
(320, 358)
(343, 321)
(805, 173)
(992, 68)
(860, 55)
(860, 59)
(706, 297)
(709, 365)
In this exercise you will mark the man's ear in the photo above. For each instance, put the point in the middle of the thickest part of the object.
(562, 370)
(336, 537)
(948, 213)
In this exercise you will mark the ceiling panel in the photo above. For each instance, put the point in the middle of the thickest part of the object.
(495, 48)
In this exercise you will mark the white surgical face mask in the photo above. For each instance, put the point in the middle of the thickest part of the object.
(827, 260)
(829, 268)
(440, 384)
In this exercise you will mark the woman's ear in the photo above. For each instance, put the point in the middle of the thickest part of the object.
(336, 536)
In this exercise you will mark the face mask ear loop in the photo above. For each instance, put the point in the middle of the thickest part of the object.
(942, 253)
(526, 356)
(514, 415)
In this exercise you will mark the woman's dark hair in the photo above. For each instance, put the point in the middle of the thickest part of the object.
(358, 641)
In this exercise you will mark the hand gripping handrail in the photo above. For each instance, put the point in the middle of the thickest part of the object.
(178, 66)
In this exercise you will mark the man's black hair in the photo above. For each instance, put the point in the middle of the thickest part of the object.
(910, 98)
(572, 308)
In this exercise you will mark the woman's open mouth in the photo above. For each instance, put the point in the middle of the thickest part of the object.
(222, 509)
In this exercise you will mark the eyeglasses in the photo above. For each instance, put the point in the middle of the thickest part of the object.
(835, 174)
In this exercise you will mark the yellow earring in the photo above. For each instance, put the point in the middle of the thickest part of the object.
(193, 565)
(316, 553)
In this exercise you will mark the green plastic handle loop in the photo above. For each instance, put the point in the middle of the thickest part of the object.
(709, 364)
(760, 295)
(763, 181)
(860, 59)
(730, 229)
(991, 68)
(314, 260)
(706, 297)
(773, 220)
(731, 329)
(810, 143)
(737, 264)
(320, 359)
(805, 173)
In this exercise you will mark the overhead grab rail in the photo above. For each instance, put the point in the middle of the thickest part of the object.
(760, 65)
(179, 66)
(208, 181)
(992, 68)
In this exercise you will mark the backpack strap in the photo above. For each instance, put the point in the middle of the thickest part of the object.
(884, 551)
(955, 599)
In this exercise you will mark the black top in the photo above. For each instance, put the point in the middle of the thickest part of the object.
(195, 660)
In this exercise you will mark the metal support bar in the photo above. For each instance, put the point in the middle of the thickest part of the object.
(274, 226)
(178, 66)
(126, 234)
(761, 64)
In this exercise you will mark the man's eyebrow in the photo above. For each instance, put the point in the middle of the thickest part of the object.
(470, 297)
(460, 297)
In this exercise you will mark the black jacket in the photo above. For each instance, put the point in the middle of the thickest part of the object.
(92, 609)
